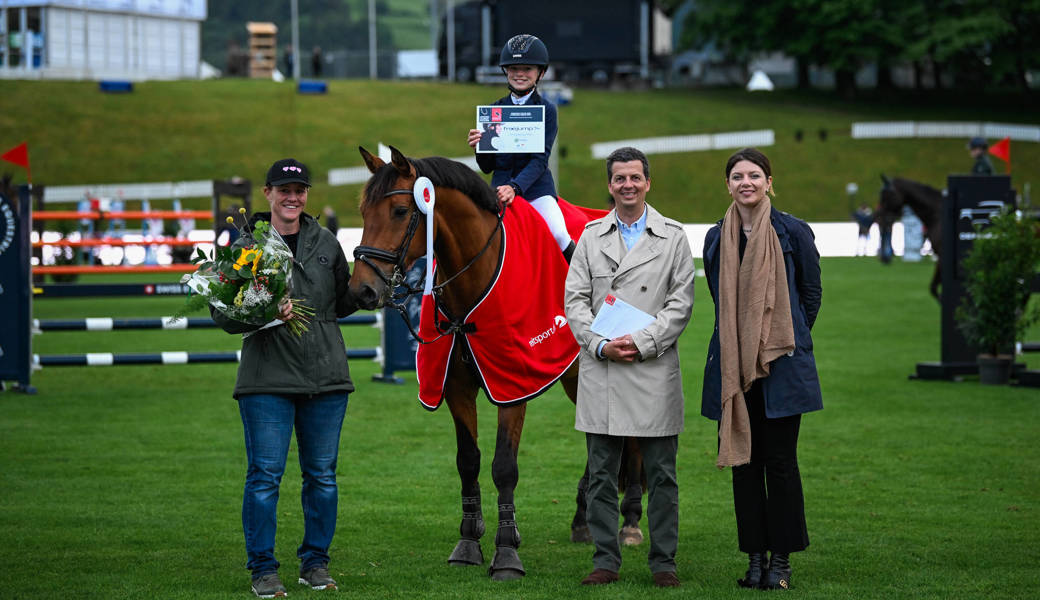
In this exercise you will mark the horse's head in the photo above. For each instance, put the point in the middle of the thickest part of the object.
(394, 232)
(889, 210)
(890, 204)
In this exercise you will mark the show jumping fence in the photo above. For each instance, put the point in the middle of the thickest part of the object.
(396, 350)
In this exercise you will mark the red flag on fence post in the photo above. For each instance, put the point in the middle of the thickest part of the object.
(19, 155)
(1002, 150)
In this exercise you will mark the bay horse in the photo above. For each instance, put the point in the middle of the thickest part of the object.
(926, 202)
(467, 244)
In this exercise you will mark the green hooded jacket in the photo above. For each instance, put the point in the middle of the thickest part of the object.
(275, 360)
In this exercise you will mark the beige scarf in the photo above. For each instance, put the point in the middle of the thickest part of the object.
(754, 322)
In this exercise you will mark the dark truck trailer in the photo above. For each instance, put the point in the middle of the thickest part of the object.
(596, 41)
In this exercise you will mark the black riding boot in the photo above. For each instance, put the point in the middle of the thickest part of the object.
(568, 252)
(778, 577)
(757, 566)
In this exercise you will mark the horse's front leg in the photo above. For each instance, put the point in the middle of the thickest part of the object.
(579, 524)
(461, 395)
(506, 564)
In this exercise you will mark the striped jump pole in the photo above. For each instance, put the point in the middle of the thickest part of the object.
(110, 324)
(107, 359)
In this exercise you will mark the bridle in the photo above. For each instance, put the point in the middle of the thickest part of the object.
(397, 300)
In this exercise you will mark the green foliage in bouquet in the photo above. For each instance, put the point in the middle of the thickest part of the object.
(247, 281)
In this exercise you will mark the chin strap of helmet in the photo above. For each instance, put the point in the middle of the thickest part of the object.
(513, 90)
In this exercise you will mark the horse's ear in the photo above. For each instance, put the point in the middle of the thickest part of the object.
(372, 162)
(400, 162)
(886, 180)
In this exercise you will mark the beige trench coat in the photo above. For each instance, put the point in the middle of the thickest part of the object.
(643, 398)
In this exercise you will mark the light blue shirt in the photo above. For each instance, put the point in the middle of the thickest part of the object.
(631, 233)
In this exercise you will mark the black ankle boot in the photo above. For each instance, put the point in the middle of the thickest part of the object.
(778, 577)
(568, 252)
(756, 569)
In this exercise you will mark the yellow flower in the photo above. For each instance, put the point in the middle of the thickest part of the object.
(248, 256)
(230, 220)
(256, 260)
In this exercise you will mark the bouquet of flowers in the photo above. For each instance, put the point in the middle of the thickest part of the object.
(247, 281)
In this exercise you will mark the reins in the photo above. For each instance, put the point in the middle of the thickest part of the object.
(397, 300)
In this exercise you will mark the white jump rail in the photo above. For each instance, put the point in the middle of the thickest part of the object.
(945, 129)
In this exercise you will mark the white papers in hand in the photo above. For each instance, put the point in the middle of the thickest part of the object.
(617, 317)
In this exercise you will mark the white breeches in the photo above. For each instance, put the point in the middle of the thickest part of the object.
(550, 211)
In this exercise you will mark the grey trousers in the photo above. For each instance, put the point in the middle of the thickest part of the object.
(662, 512)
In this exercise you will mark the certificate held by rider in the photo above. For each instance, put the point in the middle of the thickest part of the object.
(511, 128)
(616, 317)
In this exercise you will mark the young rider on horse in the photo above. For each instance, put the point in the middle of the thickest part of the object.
(524, 60)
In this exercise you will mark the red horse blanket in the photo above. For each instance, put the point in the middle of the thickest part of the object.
(519, 339)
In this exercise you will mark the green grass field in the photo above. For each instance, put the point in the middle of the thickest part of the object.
(125, 482)
(189, 130)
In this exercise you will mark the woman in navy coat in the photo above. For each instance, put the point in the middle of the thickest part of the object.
(767, 490)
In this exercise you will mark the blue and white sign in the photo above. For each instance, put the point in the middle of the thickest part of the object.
(511, 129)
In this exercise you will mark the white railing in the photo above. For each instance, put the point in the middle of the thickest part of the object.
(689, 143)
(945, 129)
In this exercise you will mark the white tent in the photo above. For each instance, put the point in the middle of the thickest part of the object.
(760, 82)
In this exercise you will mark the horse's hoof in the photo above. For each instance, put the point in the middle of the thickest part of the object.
(506, 565)
(467, 553)
(630, 536)
(581, 535)
(506, 575)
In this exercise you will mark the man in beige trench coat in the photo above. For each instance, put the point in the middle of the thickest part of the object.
(631, 385)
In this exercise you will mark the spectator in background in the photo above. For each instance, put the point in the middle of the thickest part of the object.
(978, 149)
(864, 218)
(288, 61)
(316, 61)
(331, 220)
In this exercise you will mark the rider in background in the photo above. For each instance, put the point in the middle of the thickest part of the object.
(978, 147)
(524, 60)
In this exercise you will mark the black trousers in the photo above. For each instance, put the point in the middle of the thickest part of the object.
(767, 493)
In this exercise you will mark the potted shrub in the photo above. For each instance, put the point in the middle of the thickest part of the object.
(998, 271)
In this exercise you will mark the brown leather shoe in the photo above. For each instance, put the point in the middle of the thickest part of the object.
(666, 579)
(600, 577)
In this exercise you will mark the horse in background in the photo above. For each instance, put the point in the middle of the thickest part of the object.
(926, 202)
(469, 248)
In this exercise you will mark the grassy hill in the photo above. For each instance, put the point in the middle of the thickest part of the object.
(185, 130)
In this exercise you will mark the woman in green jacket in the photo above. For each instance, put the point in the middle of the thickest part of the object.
(288, 382)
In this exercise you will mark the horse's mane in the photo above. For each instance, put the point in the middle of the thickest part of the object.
(920, 189)
(442, 172)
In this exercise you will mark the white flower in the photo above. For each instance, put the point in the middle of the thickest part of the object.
(256, 296)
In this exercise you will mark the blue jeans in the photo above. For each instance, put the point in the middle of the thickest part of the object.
(268, 421)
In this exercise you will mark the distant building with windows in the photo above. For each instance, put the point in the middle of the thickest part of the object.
(101, 39)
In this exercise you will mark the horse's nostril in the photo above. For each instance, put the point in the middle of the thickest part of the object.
(367, 296)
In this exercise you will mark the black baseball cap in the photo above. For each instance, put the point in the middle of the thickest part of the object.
(288, 170)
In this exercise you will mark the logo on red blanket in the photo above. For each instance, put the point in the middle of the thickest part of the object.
(558, 323)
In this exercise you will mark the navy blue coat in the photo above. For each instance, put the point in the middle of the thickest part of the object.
(529, 171)
(793, 386)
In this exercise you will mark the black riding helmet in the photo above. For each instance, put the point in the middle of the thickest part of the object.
(524, 49)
